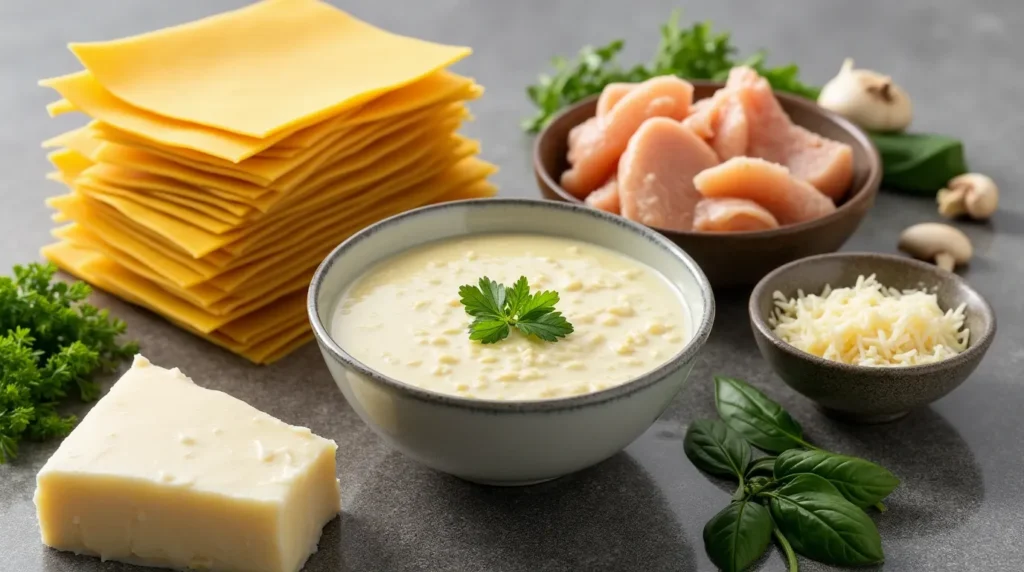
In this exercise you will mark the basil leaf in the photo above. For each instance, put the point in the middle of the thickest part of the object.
(919, 163)
(822, 525)
(715, 448)
(762, 466)
(738, 535)
(760, 420)
(859, 481)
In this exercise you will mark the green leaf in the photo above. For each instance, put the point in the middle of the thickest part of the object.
(738, 536)
(536, 305)
(760, 420)
(517, 296)
(762, 466)
(548, 327)
(861, 482)
(716, 449)
(488, 330)
(822, 525)
(919, 163)
(487, 299)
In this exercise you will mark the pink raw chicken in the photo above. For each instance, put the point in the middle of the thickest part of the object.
(825, 164)
(596, 145)
(732, 215)
(656, 174)
(721, 121)
(611, 95)
(789, 199)
(606, 198)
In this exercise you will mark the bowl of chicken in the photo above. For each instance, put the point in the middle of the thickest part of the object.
(743, 178)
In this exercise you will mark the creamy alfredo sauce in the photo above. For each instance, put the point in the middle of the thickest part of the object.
(403, 318)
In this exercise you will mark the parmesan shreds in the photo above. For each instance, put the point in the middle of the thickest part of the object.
(870, 324)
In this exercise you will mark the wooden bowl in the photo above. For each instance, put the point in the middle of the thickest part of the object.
(741, 258)
(862, 394)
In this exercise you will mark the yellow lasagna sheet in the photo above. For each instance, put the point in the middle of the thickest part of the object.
(325, 230)
(246, 72)
(264, 341)
(284, 174)
(200, 243)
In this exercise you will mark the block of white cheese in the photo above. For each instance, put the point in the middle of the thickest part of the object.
(165, 473)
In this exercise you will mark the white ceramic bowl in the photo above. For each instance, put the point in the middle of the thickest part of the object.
(500, 442)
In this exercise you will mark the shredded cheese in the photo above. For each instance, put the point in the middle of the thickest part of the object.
(870, 324)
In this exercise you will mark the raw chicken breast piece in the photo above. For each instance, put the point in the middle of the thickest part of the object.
(732, 215)
(606, 198)
(611, 95)
(824, 163)
(722, 123)
(656, 174)
(595, 149)
(732, 130)
(770, 185)
(581, 138)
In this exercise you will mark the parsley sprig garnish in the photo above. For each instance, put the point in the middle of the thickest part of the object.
(497, 309)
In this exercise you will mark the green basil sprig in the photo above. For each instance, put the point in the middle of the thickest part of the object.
(812, 501)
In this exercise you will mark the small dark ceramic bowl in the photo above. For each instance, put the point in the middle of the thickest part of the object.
(741, 258)
(869, 394)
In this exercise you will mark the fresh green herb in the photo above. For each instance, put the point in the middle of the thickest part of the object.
(497, 308)
(51, 343)
(737, 537)
(859, 481)
(809, 499)
(713, 447)
(760, 420)
(919, 163)
(820, 524)
(697, 52)
(764, 466)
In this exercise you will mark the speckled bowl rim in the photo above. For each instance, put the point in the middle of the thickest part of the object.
(865, 193)
(975, 346)
(678, 361)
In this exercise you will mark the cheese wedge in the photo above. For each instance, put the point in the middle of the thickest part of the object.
(163, 472)
(328, 70)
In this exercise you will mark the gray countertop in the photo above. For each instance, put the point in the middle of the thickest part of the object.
(961, 502)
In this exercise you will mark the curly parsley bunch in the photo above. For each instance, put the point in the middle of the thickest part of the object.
(51, 344)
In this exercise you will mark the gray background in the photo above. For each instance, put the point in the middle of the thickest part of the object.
(961, 460)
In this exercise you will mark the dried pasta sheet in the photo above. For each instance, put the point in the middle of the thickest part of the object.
(256, 71)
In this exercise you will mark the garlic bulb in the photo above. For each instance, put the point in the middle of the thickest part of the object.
(867, 98)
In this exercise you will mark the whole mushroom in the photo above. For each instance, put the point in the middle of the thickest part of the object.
(973, 194)
(941, 244)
